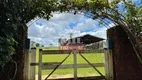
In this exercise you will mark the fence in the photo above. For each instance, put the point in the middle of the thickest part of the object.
(53, 65)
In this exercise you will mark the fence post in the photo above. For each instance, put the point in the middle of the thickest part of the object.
(40, 65)
(32, 60)
(26, 59)
(75, 64)
(26, 64)
(108, 64)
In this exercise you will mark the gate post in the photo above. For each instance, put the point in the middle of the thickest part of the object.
(108, 60)
(32, 60)
(26, 59)
(108, 64)
(26, 64)
(75, 64)
(40, 65)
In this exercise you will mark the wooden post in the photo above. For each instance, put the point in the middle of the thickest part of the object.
(40, 65)
(26, 65)
(75, 64)
(32, 60)
(111, 64)
(108, 64)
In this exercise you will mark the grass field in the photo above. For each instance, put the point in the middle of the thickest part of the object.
(93, 58)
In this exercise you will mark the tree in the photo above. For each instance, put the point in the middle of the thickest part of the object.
(37, 45)
(42, 45)
(14, 15)
(51, 45)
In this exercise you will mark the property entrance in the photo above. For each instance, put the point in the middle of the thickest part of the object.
(53, 66)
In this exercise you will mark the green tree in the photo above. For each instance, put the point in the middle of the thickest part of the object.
(51, 45)
(42, 45)
(37, 45)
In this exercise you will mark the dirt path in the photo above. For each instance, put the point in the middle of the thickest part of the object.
(63, 76)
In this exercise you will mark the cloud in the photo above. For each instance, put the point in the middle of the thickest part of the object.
(46, 32)
(87, 25)
(33, 31)
(112, 25)
(101, 32)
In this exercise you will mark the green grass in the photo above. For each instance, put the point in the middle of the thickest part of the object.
(50, 48)
(93, 58)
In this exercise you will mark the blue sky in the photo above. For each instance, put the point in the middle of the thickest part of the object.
(61, 25)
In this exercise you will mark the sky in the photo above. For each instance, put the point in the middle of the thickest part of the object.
(61, 25)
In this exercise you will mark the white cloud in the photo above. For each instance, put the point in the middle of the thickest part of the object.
(99, 33)
(88, 24)
(58, 26)
(112, 25)
(33, 31)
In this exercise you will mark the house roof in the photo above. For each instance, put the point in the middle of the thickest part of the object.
(87, 39)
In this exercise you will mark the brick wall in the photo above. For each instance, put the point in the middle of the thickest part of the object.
(126, 64)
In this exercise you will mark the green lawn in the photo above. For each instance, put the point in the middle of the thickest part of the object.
(93, 58)
(50, 48)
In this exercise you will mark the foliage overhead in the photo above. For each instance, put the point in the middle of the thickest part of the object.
(14, 15)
